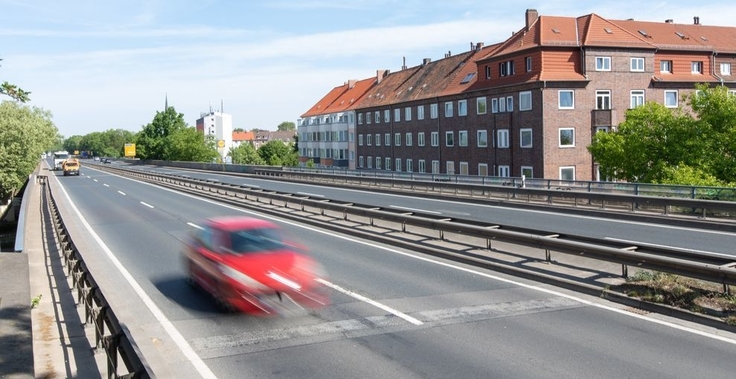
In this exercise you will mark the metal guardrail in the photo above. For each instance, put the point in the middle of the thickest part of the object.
(109, 335)
(20, 231)
(563, 196)
(706, 266)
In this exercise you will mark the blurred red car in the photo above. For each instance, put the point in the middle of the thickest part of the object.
(248, 265)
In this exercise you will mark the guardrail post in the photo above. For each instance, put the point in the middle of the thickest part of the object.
(727, 289)
(99, 321)
(548, 255)
(111, 344)
(624, 271)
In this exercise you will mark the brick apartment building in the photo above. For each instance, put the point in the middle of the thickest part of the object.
(526, 106)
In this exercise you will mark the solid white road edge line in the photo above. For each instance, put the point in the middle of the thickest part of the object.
(414, 209)
(178, 339)
(483, 274)
(371, 302)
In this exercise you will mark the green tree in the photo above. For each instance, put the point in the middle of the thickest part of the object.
(73, 143)
(151, 142)
(14, 92)
(661, 145)
(25, 133)
(277, 153)
(190, 145)
(246, 153)
(286, 126)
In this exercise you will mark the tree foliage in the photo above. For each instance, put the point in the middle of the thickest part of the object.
(191, 145)
(277, 153)
(662, 145)
(286, 126)
(152, 141)
(246, 153)
(25, 133)
(14, 92)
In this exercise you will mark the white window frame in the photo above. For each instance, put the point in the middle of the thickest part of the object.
(462, 108)
(603, 63)
(435, 167)
(360, 140)
(378, 139)
(369, 139)
(665, 66)
(502, 139)
(509, 103)
(422, 166)
(560, 137)
(449, 138)
(360, 119)
(397, 114)
(388, 164)
(433, 110)
(368, 118)
(481, 105)
(528, 61)
(377, 117)
(462, 138)
(525, 101)
(420, 112)
(409, 165)
(397, 139)
(677, 99)
(407, 114)
(603, 99)
(501, 104)
(434, 139)
(494, 105)
(450, 167)
(482, 138)
(397, 164)
(378, 163)
(387, 139)
(566, 168)
(559, 99)
(369, 160)
(696, 67)
(726, 69)
(637, 98)
(448, 109)
(482, 169)
(464, 168)
(420, 139)
(637, 64)
(408, 139)
(361, 161)
(387, 115)
(504, 171)
(527, 169)
(522, 132)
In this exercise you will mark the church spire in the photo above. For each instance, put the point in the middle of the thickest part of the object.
(166, 104)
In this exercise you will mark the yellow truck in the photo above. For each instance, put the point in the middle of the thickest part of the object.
(70, 167)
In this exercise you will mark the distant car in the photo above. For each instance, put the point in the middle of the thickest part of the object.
(105, 160)
(97, 159)
(248, 265)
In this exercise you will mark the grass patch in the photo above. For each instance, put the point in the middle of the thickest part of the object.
(677, 291)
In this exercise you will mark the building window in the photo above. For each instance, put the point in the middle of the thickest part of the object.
(387, 115)
(567, 137)
(360, 119)
(482, 169)
(502, 138)
(433, 111)
(488, 72)
(370, 161)
(378, 139)
(422, 166)
(567, 173)
(368, 118)
(388, 164)
(420, 138)
(480, 105)
(526, 138)
(603, 99)
(361, 161)
(435, 139)
(637, 98)
(566, 99)
(360, 140)
(378, 163)
(696, 67)
(725, 69)
(494, 105)
(420, 112)
(397, 139)
(369, 139)
(409, 165)
(665, 67)
(509, 103)
(603, 129)
(482, 136)
(397, 115)
(450, 166)
(407, 114)
(670, 99)
(603, 63)
(506, 68)
(637, 64)
(504, 171)
(398, 164)
(462, 137)
(527, 172)
(501, 104)
(528, 64)
(435, 167)
(464, 168)
(377, 116)
(462, 107)
(387, 139)
(408, 139)
(525, 101)
(448, 109)
(449, 139)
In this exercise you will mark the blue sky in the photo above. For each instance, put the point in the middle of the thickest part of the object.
(99, 65)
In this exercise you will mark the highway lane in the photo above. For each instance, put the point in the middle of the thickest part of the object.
(621, 230)
(473, 323)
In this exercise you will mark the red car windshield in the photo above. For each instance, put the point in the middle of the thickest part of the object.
(256, 240)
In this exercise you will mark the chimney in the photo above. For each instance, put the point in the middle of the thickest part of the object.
(403, 65)
(531, 16)
(351, 83)
(426, 61)
(479, 46)
(380, 74)
(668, 21)
(696, 20)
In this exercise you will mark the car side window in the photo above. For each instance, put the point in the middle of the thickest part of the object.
(205, 238)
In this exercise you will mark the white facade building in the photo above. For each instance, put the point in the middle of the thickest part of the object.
(219, 125)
